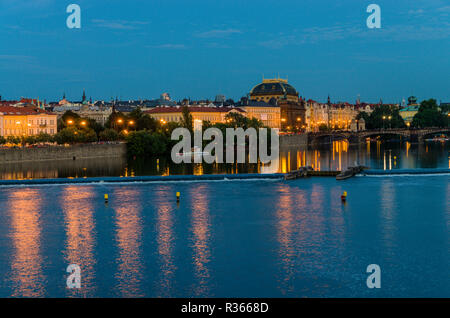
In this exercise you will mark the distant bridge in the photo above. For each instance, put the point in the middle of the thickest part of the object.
(360, 136)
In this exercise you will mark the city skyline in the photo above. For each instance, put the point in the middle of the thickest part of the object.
(145, 49)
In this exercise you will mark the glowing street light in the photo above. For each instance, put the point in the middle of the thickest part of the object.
(70, 122)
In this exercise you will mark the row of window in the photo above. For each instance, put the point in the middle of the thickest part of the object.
(31, 121)
(41, 121)
(18, 132)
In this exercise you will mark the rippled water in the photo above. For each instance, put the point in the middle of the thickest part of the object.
(224, 239)
(336, 156)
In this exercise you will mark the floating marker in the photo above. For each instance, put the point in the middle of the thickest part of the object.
(178, 196)
(344, 196)
(106, 198)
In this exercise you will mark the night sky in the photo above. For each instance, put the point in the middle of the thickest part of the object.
(200, 48)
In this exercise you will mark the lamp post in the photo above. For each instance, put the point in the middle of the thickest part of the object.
(384, 118)
(119, 123)
(390, 117)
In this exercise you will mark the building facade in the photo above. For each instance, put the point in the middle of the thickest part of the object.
(199, 113)
(316, 115)
(279, 93)
(269, 115)
(26, 121)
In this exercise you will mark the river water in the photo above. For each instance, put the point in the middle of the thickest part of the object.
(265, 238)
(229, 239)
(335, 156)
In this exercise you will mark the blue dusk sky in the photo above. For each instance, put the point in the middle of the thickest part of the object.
(200, 48)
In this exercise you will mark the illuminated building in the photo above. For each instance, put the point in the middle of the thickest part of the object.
(341, 115)
(274, 88)
(202, 113)
(84, 109)
(278, 92)
(316, 115)
(26, 121)
(269, 114)
(410, 110)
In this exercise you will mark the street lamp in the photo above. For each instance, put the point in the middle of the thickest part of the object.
(384, 118)
(390, 117)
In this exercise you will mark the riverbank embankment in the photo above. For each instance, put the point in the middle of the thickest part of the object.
(73, 152)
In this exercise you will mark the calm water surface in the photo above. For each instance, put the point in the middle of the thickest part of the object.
(236, 238)
(335, 156)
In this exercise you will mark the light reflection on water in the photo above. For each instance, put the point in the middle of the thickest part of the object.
(337, 155)
(285, 237)
(166, 243)
(225, 239)
(129, 240)
(76, 204)
(26, 230)
(200, 240)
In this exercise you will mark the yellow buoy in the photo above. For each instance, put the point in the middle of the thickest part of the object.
(344, 196)
(106, 197)
(178, 196)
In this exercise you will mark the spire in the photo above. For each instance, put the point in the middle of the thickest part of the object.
(84, 95)
(329, 101)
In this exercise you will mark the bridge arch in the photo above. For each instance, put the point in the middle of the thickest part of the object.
(316, 137)
(371, 133)
(426, 133)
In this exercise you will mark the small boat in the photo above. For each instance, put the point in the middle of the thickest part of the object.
(194, 152)
(301, 173)
(441, 138)
(350, 172)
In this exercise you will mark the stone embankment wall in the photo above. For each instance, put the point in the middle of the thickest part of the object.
(287, 141)
(63, 153)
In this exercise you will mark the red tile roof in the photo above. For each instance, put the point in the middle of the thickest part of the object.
(8, 102)
(10, 110)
